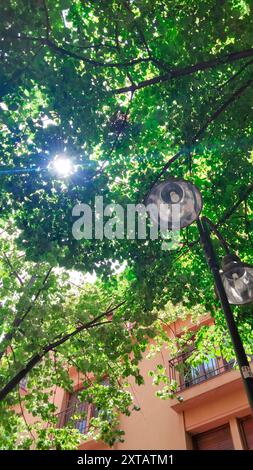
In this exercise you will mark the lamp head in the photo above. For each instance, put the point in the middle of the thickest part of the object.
(167, 194)
(237, 279)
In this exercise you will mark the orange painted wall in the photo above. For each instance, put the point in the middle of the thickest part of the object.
(156, 425)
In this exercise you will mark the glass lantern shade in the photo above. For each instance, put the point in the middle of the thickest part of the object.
(237, 278)
(170, 193)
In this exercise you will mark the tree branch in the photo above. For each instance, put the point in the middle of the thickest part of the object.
(50, 347)
(65, 52)
(234, 76)
(21, 404)
(95, 63)
(116, 140)
(19, 319)
(13, 271)
(185, 150)
(244, 194)
(48, 26)
(189, 70)
(138, 28)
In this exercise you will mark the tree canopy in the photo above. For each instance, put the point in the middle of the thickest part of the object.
(132, 91)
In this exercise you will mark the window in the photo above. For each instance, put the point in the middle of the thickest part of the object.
(246, 425)
(215, 439)
(77, 414)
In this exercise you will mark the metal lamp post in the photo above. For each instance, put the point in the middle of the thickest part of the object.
(234, 282)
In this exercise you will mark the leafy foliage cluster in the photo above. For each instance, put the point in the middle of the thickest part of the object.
(132, 91)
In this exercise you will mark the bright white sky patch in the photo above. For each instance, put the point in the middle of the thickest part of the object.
(118, 268)
(90, 278)
(48, 122)
(3, 106)
(77, 278)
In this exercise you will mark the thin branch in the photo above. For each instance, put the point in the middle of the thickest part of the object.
(118, 48)
(65, 52)
(123, 123)
(185, 150)
(116, 140)
(35, 298)
(234, 76)
(95, 63)
(19, 319)
(21, 404)
(13, 271)
(220, 237)
(48, 25)
(43, 41)
(168, 326)
(244, 194)
(101, 45)
(222, 108)
(138, 28)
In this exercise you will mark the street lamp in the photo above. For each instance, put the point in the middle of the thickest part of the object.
(237, 278)
(233, 282)
(174, 191)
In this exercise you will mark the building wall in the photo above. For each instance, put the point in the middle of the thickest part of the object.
(169, 424)
(156, 425)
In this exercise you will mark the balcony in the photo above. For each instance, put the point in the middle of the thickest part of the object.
(188, 376)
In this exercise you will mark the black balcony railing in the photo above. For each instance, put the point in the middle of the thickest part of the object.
(187, 375)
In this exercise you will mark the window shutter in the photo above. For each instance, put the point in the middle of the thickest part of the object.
(247, 430)
(215, 439)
